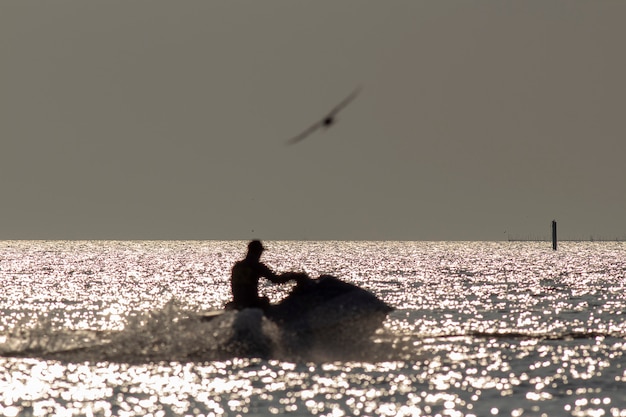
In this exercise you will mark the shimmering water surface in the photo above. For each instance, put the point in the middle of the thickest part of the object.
(501, 328)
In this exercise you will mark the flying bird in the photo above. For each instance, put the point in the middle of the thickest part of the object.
(327, 120)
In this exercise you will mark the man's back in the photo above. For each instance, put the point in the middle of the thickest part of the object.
(245, 282)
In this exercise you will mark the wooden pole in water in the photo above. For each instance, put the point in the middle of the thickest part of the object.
(554, 234)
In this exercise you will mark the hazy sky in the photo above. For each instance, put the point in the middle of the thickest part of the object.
(167, 120)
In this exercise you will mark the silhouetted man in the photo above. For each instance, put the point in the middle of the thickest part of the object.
(245, 279)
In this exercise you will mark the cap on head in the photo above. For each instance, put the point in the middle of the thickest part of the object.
(255, 247)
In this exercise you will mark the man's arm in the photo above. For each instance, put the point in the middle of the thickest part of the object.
(267, 273)
(282, 278)
(298, 277)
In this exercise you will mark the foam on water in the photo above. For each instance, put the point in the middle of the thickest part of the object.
(166, 334)
(172, 333)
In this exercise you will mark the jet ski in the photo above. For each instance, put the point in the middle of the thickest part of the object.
(329, 308)
(325, 311)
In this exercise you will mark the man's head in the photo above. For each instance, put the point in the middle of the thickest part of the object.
(255, 249)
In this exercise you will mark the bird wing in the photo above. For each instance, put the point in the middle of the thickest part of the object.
(305, 133)
(345, 102)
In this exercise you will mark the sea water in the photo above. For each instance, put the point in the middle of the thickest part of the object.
(479, 328)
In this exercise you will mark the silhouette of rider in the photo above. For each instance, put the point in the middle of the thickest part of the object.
(245, 279)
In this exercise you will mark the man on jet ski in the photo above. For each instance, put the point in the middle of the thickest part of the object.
(245, 279)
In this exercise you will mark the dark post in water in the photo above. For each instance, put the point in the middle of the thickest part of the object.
(554, 234)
